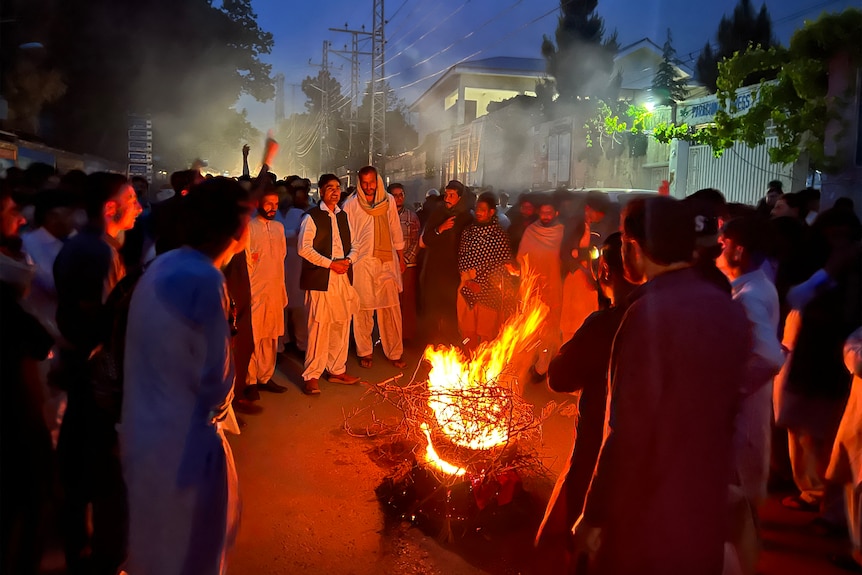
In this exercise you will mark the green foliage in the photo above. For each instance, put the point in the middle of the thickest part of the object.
(400, 135)
(184, 62)
(795, 107)
(743, 29)
(666, 85)
(580, 59)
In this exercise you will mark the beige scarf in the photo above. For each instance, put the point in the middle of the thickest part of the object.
(380, 212)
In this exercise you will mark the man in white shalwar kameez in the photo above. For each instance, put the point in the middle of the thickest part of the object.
(265, 258)
(178, 467)
(379, 248)
(325, 247)
(740, 260)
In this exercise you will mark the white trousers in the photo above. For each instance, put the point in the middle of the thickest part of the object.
(296, 318)
(327, 348)
(389, 326)
(262, 364)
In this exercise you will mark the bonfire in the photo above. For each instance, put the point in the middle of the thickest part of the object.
(472, 428)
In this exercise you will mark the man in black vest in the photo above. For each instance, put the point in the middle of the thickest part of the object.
(327, 277)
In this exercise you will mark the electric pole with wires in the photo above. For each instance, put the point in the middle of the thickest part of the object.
(377, 139)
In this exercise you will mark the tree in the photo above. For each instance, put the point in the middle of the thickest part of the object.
(580, 59)
(331, 124)
(743, 29)
(667, 86)
(795, 107)
(400, 135)
(183, 62)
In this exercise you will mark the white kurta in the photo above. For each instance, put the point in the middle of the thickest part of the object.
(265, 258)
(292, 263)
(377, 283)
(753, 426)
(178, 467)
(43, 248)
(329, 311)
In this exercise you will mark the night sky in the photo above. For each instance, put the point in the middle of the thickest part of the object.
(424, 38)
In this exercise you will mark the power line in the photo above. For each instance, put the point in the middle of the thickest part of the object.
(476, 53)
(400, 34)
(425, 35)
(463, 38)
(397, 10)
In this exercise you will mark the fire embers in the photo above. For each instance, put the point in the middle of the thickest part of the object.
(475, 434)
(414, 493)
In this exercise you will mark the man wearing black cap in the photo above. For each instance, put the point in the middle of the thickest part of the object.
(657, 502)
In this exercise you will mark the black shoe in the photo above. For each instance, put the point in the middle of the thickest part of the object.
(271, 387)
(246, 406)
(251, 393)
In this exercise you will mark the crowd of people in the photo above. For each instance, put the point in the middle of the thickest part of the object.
(713, 346)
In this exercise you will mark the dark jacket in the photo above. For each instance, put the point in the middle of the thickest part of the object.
(440, 277)
(660, 489)
(242, 342)
(313, 277)
(582, 365)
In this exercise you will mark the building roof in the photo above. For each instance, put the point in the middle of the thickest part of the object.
(504, 65)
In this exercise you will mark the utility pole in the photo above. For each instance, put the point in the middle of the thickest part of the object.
(377, 141)
(323, 125)
(355, 95)
(279, 99)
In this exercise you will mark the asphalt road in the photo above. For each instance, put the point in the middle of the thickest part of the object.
(309, 503)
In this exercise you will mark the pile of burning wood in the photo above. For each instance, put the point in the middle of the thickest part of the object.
(473, 433)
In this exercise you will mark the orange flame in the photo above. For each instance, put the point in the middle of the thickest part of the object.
(470, 407)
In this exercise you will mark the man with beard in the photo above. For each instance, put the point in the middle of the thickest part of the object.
(377, 267)
(520, 218)
(410, 230)
(482, 255)
(440, 277)
(326, 251)
(540, 250)
(265, 259)
(657, 501)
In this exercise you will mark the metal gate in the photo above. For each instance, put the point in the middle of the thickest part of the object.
(741, 173)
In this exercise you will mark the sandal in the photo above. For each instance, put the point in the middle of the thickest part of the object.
(399, 363)
(366, 362)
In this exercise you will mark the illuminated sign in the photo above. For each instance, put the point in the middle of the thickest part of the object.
(703, 110)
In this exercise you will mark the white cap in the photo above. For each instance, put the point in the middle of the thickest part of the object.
(165, 194)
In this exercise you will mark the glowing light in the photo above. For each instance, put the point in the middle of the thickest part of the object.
(470, 405)
(435, 460)
(650, 106)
